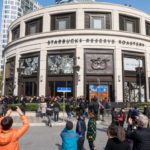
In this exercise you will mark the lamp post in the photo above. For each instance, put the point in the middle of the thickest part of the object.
(98, 81)
(139, 70)
(76, 69)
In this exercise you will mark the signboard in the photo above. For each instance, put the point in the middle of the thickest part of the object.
(64, 89)
(130, 64)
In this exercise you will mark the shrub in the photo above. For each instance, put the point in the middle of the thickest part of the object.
(29, 106)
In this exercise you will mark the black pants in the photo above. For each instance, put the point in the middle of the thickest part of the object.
(91, 145)
(49, 120)
(56, 116)
(81, 144)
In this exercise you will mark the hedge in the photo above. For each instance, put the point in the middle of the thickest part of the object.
(29, 106)
(34, 106)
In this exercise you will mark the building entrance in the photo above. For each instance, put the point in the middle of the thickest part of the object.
(100, 91)
(56, 88)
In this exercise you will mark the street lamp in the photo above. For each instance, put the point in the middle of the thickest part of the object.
(139, 71)
(76, 69)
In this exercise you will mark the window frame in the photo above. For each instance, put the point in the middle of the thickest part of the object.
(16, 33)
(147, 27)
(38, 23)
(65, 18)
(97, 16)
(123, 19)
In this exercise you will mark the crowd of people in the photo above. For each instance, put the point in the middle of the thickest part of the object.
(127, 131)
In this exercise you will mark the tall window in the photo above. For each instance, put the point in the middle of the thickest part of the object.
(148, 28)
(63, 21)
(34, 26)
(129, 24)
(15, 33)
(97, 22)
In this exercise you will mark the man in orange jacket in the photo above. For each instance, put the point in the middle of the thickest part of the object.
(9, 137)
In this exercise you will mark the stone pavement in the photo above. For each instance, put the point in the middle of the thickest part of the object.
(38, 121)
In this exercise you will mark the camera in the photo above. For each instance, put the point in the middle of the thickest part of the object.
(13, 108)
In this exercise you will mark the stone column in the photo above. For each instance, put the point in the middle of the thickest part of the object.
(10, 36)
(142, 26)
(46, 22)
(22, 29)
(79, 88)
(147, 73)
(115, 20)
(80, 19)
(42, 70)
(118, 75)
(16, 75)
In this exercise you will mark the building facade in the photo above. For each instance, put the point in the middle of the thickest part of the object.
(11, 10)
(80, 49)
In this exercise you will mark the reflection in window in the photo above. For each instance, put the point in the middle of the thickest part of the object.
(97, 22)
(34, 26)
(60, 64)
(10, 69)
(15, 33)
(129, 26)
(29, 65)
(63, 23)
(131, 92)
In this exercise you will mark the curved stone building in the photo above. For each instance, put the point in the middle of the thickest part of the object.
(80, 49)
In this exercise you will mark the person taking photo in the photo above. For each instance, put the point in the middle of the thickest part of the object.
(9, 137)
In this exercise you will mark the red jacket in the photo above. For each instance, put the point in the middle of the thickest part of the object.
(9, 140)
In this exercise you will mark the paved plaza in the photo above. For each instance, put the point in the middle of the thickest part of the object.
(46, 138)
(42, 137)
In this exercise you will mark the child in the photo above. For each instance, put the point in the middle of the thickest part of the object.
(91, 131)
(81, 129)
(69, 137)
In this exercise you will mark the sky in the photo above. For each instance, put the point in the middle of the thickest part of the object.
(139, 4)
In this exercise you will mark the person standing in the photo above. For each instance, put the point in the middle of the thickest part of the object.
(43, 107)
(9, 137)
(69, 137)
(91, 131)
(56, 108)
(49, 113)
(81, 129)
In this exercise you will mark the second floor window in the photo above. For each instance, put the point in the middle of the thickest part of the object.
(63, 21)
(129, 24)
(16, 33)
(148, 28)
(97, 22)
(34, 26)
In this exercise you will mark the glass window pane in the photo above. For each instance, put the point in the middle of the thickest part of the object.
(98, 22)
(129, 26)
(32, 29)
(62, 24)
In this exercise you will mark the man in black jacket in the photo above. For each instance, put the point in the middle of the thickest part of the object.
(139, 134)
